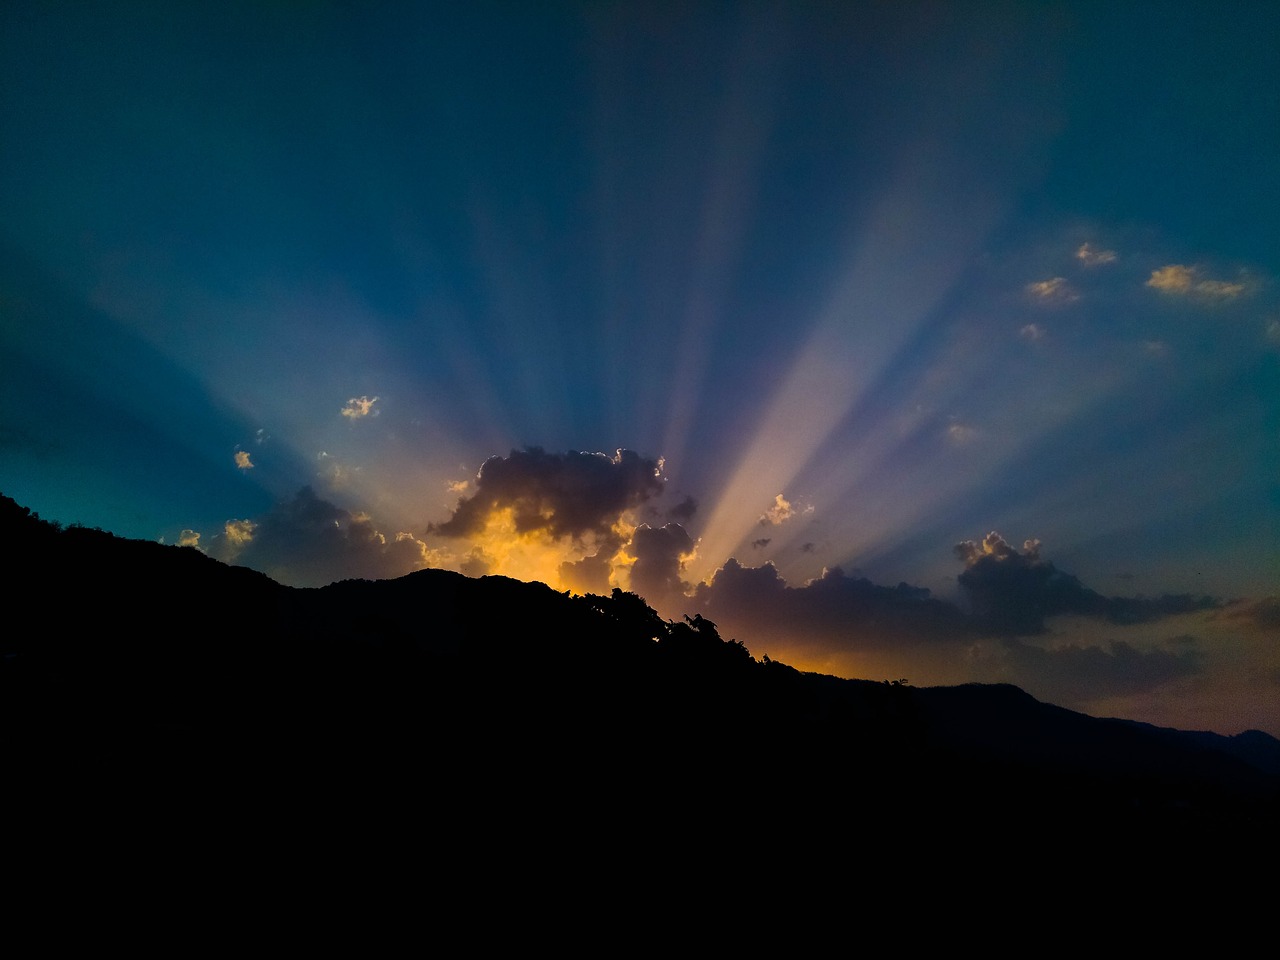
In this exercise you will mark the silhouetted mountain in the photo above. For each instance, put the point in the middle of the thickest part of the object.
(151, 679)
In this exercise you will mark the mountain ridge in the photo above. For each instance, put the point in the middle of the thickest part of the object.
(163, 666)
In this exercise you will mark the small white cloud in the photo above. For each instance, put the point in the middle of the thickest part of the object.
(961, 434)
(1155, 348)
(1032, 332)
(243, 461)
(261, 436)
(1055, 290)
(358, 408)
(189, 538)
(1094, 258)
(780, 512)
(459, 486)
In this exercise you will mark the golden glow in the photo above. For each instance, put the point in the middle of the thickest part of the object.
(537, 556)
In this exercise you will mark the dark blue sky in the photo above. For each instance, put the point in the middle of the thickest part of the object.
(868, 280)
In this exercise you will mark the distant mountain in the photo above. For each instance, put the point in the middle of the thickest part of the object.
(155, 683)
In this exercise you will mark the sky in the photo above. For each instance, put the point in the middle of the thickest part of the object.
(921, 341)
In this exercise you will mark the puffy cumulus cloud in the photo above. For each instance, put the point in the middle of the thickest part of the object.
(783, 510)
(238, 532)
(1056, 290)
(357, 408)
(1012, 592)
(189, 538)
(780, 512)
(1091, 257)
(309, 542)
(1175, 278)
(562, 494)
(243, 461)
(567, 519)
(660, 554)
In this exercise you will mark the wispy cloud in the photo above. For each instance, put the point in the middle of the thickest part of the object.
(1090, 257)
(1056, 290)
(358, 408)
(1176, 278)
(1032, 332)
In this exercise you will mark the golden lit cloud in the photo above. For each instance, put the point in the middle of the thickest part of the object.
(243, 461)
(189, 538)
(239, 532)
(358, 408)
(1179, 279)
(1094, 258)
(458, 486)
(779, 512)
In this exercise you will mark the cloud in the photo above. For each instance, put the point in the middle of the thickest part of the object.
(1175, 278)
(243, 461)
(358, 408)
(1078, 674)
(1011, 592)
(1032, 332)
(660, 554)
(564, 495)
(761, 543)
(309, 542)
(833, 616)
(1054, 291)
(189, 538)
(458, 486)
(780, 512)
(1094, 258)
(567, 519)
(238, 532)
(684, 510)
(1273, 332)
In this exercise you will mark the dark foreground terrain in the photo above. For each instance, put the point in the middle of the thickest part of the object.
(159, 700)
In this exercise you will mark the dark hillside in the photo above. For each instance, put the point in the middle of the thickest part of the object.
(152, 679)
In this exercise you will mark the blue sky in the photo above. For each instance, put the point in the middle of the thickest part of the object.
(854, 283)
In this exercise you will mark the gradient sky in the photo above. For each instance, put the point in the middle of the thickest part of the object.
(851, 286)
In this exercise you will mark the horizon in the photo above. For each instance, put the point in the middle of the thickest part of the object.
(926, 342)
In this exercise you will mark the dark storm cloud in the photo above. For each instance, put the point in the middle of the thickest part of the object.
(683, 511)
(309, 542)
(659, 551)
(563, 494)
(833, 608)
(1011, 592)
(1075, 673)
(761, 543)
(1263, 614)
